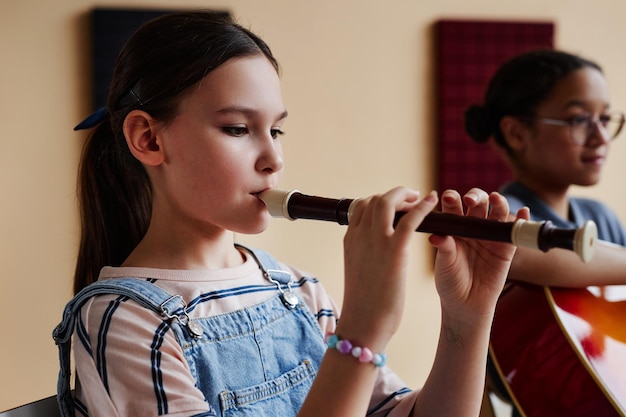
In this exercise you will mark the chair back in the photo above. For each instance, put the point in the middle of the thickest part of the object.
(46, 407)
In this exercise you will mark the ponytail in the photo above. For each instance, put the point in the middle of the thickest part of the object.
(115, 196)
(478, 123)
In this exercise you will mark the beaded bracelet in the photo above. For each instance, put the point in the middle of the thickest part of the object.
(363, 354)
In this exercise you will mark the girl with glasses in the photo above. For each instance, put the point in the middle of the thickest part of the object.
(549, 113)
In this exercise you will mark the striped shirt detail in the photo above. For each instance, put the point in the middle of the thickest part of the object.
(82, 334)
(102, 339)
(325, 312)
(80, 407)
(247, 289)
(387, 400)
(157, 375)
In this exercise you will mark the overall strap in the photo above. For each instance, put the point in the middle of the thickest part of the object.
(268, 264)
(272, 272)
(141, 291)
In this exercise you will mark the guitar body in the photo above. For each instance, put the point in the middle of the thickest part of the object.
(562, 352)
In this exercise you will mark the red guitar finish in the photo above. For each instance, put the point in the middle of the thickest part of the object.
(562, 352)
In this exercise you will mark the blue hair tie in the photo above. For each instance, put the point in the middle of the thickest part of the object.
(92, 120)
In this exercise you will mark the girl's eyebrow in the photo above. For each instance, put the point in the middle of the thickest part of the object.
(248, 112)
(579, 103)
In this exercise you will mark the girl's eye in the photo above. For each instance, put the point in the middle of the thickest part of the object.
(604, 119)
(276, 133)
(236, 131)
(579, 120)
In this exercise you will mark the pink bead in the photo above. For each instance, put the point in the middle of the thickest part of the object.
(366, 355)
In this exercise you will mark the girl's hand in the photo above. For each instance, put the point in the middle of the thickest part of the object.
(469, 273)
(376, 257)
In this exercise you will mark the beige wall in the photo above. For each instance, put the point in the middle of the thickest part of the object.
(358, 86)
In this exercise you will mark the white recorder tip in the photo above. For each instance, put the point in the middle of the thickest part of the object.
(585, 240)
(525, 232)
(276, 202)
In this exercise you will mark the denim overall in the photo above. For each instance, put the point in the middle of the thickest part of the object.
(258, 361)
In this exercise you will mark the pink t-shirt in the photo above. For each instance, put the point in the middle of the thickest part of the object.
(130, 328)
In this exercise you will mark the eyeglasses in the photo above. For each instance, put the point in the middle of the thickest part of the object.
(582, 126)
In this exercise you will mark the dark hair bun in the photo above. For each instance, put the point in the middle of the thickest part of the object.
(478, 123)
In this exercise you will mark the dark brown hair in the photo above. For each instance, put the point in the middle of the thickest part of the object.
(517, 88)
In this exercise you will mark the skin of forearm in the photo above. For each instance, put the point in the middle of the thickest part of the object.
(563, 268)
(342, 387)
(456, 382)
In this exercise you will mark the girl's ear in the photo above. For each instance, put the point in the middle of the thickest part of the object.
(515, 132)
(139, 130)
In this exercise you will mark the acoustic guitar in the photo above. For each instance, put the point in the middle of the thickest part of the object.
(562, 352)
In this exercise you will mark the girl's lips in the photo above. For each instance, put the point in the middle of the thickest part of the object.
(595, 160)
(257, 194)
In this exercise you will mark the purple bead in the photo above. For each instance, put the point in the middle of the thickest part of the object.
(344, 346)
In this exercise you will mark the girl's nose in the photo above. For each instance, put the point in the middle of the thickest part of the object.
(597, 133)
(271, 158)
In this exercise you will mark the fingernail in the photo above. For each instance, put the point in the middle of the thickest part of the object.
(448, 197)
(431, 197)
(472, 196)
